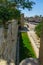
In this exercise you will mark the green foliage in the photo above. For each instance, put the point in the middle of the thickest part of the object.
(38, 29)
(8, 14)
(26, 49)
(8, 9)
(19, 3)
(4, 14)
(15, 14)
(22, 3)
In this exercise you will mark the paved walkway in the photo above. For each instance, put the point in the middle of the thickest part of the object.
(33, 37)
(34, 41)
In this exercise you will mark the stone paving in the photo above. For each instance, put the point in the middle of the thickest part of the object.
(35, 38)
(35, 41)
(36, 49)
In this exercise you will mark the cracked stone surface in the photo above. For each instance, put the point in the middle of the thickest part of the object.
(29, 61)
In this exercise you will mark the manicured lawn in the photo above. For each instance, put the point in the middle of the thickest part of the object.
(25, 47)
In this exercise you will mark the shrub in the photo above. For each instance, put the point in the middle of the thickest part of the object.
(38, 29)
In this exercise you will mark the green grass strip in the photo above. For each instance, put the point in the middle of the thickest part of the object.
(26, 49)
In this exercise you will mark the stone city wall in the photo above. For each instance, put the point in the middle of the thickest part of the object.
(8, 48)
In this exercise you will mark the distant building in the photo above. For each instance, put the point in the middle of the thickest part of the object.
(34, 19)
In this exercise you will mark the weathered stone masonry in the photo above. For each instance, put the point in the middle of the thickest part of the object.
(8, 47)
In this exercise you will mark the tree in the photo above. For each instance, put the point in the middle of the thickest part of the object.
(4, 16)
(24, 3)
(14, 13)
(8, 14)
(19, 3)
(9, 9)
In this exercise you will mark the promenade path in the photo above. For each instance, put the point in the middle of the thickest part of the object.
(35, 41)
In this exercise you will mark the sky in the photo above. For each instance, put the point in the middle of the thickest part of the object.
(36, 10)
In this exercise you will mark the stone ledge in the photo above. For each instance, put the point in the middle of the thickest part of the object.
(29, 61)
